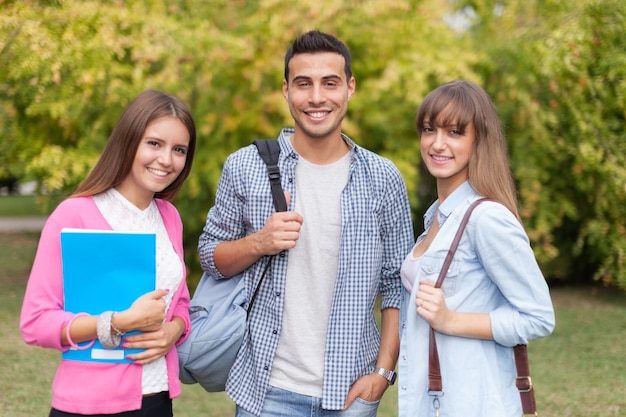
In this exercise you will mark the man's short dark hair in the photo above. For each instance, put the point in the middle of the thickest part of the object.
(316, 41)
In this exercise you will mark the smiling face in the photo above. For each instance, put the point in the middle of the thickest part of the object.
(160, 158)
(318, 93)
(446, 151)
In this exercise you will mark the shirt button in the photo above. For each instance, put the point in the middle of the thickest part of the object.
(403, 388)
(404, 357)
(430, 269)
(282, 254)
(265, 368)
(274, 331)
(278, 294)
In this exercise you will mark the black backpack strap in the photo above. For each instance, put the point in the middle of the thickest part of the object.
(269, 149)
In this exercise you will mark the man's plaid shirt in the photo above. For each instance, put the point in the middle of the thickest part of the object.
(376, 235)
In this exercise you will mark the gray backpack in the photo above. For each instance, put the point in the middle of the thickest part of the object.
(218, 307)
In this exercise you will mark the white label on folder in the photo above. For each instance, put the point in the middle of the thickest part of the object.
(107, 354)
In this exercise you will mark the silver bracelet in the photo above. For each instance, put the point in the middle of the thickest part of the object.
(103, 328)
(117, 331)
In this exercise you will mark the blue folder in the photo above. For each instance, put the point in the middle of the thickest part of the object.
(105, 270)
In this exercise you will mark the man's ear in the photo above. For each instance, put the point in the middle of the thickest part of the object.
(285, 89)
(351, 87)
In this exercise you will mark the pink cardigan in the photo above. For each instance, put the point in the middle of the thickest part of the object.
(85, 387)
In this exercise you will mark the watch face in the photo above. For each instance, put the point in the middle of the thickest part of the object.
(393, 378)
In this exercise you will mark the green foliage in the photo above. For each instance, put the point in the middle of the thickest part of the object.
(554, 68)
(72, 68)
(559, 85)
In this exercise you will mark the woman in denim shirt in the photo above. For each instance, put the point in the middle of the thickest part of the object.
(494, 295)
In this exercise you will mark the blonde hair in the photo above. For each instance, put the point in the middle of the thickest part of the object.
(461, 103)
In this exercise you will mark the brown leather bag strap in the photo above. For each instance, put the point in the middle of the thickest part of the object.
(523, 382)
(435, 386)
(456, 240)
(434, 372)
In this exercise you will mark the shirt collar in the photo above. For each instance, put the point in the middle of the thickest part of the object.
(462, 193)
(288, 131)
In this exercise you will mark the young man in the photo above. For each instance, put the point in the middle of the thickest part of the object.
(313, 346)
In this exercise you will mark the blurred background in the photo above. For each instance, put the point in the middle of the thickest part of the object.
(554, 68)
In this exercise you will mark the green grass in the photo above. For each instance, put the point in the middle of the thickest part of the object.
(21, 205)
(580, 370)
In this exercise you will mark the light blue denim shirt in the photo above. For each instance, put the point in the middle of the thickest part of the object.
(494, 271)
(376, 234)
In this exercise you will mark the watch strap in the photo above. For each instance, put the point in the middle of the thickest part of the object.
(390, 376)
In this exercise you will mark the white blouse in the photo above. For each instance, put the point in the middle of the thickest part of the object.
(122, 215)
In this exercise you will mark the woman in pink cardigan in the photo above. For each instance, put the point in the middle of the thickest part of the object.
(144, 164)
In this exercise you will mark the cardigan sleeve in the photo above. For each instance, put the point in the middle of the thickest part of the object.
(42, 316)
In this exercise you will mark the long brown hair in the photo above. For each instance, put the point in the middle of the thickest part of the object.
(118, 155)
(460, 103)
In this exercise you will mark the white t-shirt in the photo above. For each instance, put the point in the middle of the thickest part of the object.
(311, 275)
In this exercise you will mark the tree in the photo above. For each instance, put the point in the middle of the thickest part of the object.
(558, 79)
(72, 66)
(555, 70)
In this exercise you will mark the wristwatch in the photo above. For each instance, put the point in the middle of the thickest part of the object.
(390, 376)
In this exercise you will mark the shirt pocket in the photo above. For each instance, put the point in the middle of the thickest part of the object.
(331, 236)
(430, 267)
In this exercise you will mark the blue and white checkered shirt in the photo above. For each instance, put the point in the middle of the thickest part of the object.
(376, 235)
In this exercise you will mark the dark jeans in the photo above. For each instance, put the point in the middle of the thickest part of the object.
(159, 405)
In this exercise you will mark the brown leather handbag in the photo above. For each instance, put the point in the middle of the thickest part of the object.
(523, 382)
